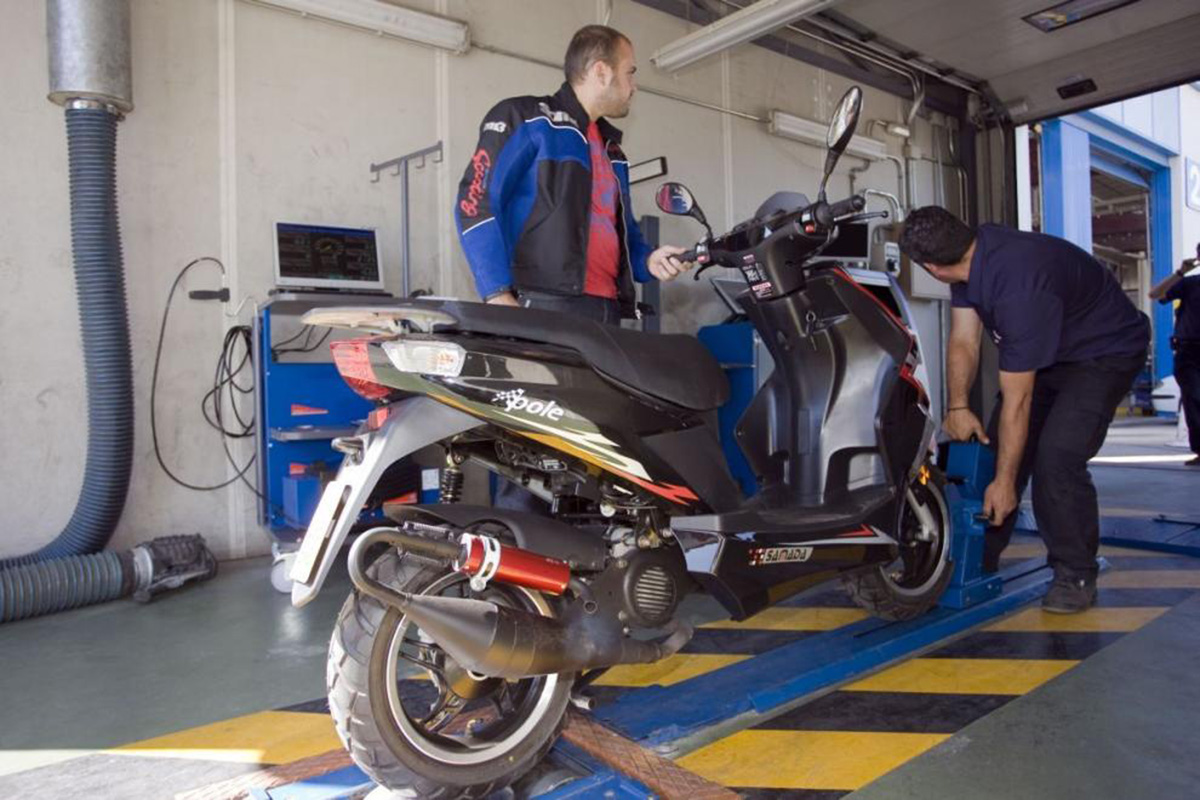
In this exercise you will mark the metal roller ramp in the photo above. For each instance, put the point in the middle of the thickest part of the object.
(811, 698)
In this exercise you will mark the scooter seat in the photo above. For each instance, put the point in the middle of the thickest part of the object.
(672, 367)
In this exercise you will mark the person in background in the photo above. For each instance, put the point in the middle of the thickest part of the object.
(1184, 288)
(1070, 343)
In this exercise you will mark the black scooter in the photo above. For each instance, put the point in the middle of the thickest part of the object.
(508, 612)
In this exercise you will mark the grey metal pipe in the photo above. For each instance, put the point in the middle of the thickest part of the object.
(104, 324)
(89, 73)
(939, 186)
(902, 177)
(90, 52)
(59, 584)
(733, 112)
(63, 583)
(893, 201)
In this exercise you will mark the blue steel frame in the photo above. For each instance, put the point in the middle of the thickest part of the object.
(1071, 147)
(733, 346)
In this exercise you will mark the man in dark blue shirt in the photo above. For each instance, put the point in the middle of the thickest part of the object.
(1070, 345)
(1186, 342)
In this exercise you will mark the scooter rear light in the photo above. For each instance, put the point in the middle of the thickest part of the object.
(354, 364)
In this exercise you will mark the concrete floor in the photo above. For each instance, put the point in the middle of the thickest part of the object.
(1159, 484)
(102, 676)
(1120, 725)
(94, 678)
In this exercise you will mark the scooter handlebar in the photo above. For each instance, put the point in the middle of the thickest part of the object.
(844, 208)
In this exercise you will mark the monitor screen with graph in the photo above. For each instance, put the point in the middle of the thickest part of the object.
(325, 257)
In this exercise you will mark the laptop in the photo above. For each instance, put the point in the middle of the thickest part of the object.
(326, 258)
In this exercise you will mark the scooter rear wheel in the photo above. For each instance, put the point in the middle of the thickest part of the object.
(914, 582)
(456, 736)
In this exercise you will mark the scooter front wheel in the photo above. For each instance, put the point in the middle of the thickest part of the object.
(411, 718)
(914, 582)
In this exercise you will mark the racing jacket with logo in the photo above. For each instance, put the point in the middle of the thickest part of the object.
(524, 203)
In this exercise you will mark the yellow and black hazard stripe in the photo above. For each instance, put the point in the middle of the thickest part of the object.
(831, 745)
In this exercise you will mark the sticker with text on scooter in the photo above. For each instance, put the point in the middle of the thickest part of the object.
(515, 400)
(763, 289)
(764, 556)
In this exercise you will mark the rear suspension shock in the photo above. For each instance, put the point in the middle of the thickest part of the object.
(450, 487)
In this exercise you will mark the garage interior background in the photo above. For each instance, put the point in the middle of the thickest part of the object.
(246, 115)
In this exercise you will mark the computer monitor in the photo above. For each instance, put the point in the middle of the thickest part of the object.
(325, 257)
(853, 243)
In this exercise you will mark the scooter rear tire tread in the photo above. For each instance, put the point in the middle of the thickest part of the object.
(347, 677)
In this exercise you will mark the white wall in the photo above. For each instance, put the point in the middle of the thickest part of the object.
(1187, 220)
(1154, 115)
(244, 116)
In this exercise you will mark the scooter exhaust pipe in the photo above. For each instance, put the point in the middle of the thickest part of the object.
(499, 641)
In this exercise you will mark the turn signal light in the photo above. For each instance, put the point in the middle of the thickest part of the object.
(425, 357)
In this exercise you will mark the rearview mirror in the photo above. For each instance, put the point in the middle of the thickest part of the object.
(841, 131)
(675, 198)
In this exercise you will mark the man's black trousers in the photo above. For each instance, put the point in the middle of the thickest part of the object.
(1073, 405)
(1187, 372)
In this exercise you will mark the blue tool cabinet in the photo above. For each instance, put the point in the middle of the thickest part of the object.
(302, 406)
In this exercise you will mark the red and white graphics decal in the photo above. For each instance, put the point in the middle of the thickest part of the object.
(867, 534)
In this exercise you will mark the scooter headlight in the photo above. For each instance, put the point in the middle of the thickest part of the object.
(426, 358)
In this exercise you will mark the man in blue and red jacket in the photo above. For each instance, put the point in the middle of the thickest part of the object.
(543, 209)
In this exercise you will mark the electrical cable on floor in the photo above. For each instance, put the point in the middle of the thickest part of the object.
(225, 376)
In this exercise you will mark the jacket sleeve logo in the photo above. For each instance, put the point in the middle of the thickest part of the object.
(481, 164)
(495, 127)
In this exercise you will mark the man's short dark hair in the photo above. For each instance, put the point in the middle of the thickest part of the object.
(932, 235)
(590, 44)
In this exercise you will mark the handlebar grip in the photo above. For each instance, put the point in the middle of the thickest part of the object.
(687, 255)
(850, 205)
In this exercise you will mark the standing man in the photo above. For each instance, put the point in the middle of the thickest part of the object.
(543, 209)
(1186, 342)
(1071, 344)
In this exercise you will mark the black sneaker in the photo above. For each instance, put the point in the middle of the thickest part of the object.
(1070, 595)
(1195, 462)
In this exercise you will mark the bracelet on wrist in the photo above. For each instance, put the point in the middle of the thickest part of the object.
(958, 408)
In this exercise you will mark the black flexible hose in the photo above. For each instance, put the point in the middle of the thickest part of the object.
(104, 324)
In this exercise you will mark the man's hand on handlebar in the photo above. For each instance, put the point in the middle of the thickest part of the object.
(664, 265)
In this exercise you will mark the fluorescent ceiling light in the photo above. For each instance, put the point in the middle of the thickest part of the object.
(386, 19)
(1060, 16)
(809, 132)
(741, 26)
